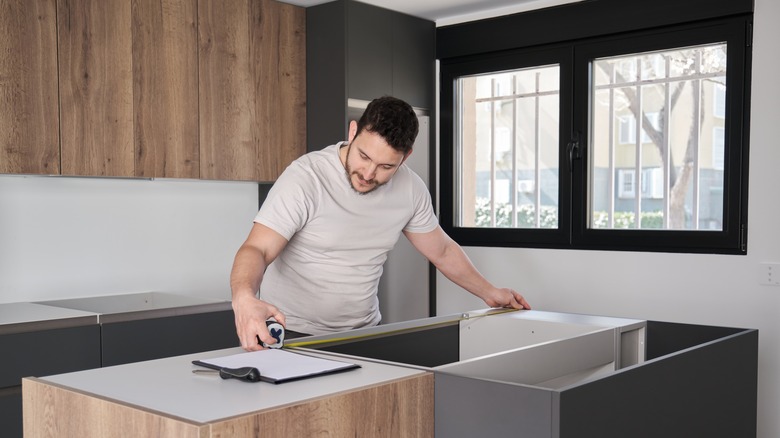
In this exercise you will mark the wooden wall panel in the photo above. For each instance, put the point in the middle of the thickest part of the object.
(96, 87)
(165, 88)
(29, 122)
(251, 88)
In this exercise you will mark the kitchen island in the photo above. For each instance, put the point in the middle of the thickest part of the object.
(489, 372)
(164, 398)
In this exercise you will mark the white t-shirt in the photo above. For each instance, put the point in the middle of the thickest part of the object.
(325, 280)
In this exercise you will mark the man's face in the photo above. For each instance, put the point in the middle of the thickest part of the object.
(371, 162)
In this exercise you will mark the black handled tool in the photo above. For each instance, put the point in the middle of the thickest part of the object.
(247, 374)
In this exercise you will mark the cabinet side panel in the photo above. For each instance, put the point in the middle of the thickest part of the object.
(29, 121)
(467, 407)
(706, 391)
(429, 348)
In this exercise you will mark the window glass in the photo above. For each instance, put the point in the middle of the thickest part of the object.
(508, 149)
(656, 151)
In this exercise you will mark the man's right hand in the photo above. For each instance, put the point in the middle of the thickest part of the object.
(251, 314)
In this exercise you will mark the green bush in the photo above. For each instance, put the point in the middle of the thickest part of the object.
(548, 217)
(627, 219)
(526, 216)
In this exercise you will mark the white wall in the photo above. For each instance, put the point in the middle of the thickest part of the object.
(63, 237)
(703, 289)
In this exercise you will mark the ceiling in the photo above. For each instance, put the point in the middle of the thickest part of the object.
(445, 12)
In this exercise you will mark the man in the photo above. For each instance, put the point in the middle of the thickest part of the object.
(322, 235)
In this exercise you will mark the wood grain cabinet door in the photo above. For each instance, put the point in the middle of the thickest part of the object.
(128, 75)
(29, 124)
(96, 87)
(210, 89)
(165, 88)
(251, 88)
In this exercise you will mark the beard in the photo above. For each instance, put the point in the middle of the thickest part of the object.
(349, 173)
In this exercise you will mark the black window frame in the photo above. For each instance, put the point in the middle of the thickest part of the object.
(625, 29)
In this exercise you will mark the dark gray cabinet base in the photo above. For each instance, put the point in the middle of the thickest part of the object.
(146, 339)
(41, 353)
(47, 352)
(694, 381)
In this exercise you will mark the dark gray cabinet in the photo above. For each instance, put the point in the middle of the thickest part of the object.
(359, 51)
(38, 353)
(547, 375)
(11, 411)
(146, 339)
(62, 336)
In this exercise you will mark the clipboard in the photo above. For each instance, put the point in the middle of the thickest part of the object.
(279, 366)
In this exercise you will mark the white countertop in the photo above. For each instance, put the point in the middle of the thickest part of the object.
(169, 386)
(22, 317)
(141, 305)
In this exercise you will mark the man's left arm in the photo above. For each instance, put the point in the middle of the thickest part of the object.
(452, 261)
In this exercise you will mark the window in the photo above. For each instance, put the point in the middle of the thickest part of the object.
(669, 103)
(629, 142)
(509, 124)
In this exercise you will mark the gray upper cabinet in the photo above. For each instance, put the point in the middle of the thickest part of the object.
(359, 51)
(369, 51)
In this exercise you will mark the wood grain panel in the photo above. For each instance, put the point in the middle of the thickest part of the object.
(403, 408)
(29, 122)
(251, 87)
(396, 410)
(96, 87)
(165, 88)
(54, 412)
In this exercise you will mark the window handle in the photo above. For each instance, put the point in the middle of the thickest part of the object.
(574, 150)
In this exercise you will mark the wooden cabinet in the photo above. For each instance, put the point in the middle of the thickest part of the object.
(29, 124)
(96, 87)
(359, 51)
(162, 398)
(165, 88)
(128, 88)
(252, 88)
(152, 88)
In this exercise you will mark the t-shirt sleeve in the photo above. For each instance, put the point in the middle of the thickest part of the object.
(423, 219)
(287, 206)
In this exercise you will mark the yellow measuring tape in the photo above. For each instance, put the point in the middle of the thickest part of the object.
(464, 317)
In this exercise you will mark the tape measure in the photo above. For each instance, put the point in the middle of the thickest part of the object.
(277, 332)
(463, 317)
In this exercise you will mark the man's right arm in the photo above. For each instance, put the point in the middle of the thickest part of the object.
(258, 251)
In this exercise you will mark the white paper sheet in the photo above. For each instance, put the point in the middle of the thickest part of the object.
(278, 366)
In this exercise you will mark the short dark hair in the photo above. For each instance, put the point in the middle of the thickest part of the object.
(393, 119)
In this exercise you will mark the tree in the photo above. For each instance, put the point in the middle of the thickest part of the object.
(691, 62)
